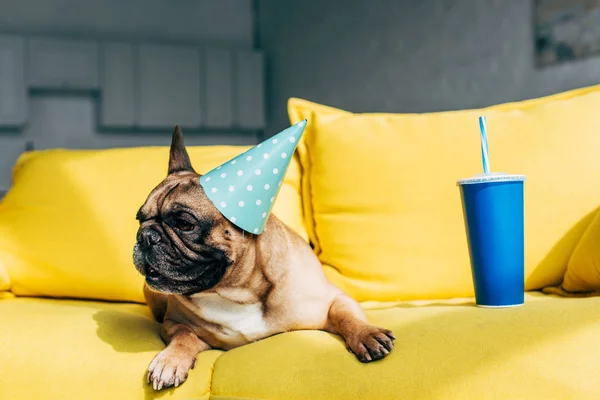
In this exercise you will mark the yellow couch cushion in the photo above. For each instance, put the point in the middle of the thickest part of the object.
(383, 209)
(4, 279)
(442, 352)
(62, 349)
(67, 226)
(583, 270)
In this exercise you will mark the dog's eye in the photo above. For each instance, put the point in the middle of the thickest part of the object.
(183, 225)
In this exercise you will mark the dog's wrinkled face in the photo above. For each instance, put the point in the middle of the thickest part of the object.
(184, 244)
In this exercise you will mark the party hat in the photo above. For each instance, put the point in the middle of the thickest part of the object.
(244, 188)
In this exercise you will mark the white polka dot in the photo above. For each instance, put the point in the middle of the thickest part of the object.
(267, 186)
(258, 146)
(292, 139)
(275, 171)
(214, 190)
(272, 198)
(257, 171)
(223, 175)
(255, 230)
(258, 202)
(207, 179)
(266, 156)
(233, 219)
(283, 155)
(279, 184)
(241, 204)
(275, 141)
(249, 158)
(264, 215)
(249, 188)
(233, 162)
(232, 188)
(223, 204)
(219, 167)
(240, 172)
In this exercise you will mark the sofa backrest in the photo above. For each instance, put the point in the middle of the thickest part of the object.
(384, 212)
(67, 225)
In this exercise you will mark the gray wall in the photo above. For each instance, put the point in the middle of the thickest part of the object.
(226, 21)
(406, 55)
(72, 116)
(361, 55)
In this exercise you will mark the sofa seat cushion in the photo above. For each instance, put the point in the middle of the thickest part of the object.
(61, 349)
(547, 349)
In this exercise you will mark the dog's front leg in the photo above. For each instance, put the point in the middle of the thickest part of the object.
(367, 342)
(170, 367)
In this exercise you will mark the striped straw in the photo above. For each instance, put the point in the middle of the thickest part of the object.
(485, 158)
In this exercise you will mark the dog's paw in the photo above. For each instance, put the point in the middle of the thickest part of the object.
(371, 343)
(169, 368)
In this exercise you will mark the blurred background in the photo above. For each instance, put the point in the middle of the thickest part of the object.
(119, 73)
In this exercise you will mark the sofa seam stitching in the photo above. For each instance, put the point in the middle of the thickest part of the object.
(212, 375)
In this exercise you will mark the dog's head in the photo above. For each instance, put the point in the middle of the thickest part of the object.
(184, 244)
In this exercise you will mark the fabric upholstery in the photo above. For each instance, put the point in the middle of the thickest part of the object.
(64, 349)
(546, 349)
(67, 226)
(382, 206)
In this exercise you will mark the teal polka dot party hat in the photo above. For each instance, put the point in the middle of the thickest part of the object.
(244, 189)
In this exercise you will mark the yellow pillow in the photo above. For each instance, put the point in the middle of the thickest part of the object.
(382, 206)
(67, 226)
(4, 279)
(582, 277)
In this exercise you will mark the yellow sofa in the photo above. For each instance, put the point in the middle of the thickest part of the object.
(375, 194)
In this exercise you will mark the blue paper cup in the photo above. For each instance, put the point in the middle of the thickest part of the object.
(494, 223)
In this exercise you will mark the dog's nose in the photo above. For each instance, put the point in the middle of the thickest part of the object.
(149, 237)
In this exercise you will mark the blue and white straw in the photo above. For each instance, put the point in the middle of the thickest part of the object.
(485, 158)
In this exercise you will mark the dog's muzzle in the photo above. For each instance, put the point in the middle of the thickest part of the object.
(146, 239)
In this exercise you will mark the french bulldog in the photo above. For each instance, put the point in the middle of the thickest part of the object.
(215, 286)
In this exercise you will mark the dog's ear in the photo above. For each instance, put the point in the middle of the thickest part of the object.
(179, 160)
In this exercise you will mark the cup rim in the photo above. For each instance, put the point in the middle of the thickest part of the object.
(491, 178)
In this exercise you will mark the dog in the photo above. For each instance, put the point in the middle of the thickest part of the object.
(214, 286)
